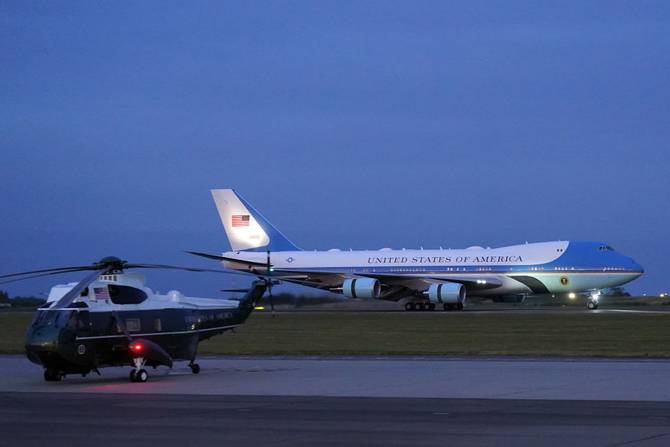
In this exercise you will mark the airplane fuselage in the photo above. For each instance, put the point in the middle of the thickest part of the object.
(535, 268)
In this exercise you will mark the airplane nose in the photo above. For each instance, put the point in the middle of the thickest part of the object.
(637, 268)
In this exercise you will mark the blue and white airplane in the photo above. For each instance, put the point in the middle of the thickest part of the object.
(422, 279)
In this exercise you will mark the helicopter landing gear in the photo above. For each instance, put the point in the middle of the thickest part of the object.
(195, 368)
(53, 375)
(139, 374)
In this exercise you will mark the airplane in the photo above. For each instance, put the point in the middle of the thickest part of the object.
(421, 279)
(111, 318)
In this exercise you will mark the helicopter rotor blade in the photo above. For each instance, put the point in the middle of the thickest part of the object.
(121, 324)
(54, 271)
(69, 297)
(171, 267)
(39, 275)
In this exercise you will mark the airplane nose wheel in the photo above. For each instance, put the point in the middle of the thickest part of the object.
(591, 305)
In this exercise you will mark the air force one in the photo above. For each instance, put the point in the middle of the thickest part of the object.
(421, 279)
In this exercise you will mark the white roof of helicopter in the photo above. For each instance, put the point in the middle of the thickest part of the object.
(98, 298)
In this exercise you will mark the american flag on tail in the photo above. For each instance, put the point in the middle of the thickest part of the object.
(240, 220)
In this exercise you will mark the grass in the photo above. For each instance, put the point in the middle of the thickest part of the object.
(13, 327)
(397, 333)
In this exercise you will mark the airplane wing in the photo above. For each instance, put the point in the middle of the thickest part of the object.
(483, 282)
(393, 286)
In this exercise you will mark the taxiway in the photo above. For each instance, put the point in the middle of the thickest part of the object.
(287, 401)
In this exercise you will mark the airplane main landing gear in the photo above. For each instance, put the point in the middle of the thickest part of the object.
(456, 306)
(412, 306)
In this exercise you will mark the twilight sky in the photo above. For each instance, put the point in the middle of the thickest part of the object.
(348, 124)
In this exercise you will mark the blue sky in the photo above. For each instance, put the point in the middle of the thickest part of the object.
(348, 124)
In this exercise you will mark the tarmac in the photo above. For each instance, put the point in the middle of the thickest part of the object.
(287, 401)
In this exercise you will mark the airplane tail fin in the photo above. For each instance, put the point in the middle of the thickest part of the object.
(245, 227)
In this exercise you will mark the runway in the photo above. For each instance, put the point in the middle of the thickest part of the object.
(62, 419)
(346, 401)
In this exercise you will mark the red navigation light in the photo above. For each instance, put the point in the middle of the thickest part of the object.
(136, 347)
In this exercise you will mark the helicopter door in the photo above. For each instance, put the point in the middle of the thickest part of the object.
(83, 323)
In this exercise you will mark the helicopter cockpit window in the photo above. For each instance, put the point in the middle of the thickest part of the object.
(67, 318)
(44, 318)
(126, 295)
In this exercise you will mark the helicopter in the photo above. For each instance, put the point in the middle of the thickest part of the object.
(111, 318)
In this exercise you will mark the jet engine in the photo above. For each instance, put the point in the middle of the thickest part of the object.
(448, 293)
(361, 288)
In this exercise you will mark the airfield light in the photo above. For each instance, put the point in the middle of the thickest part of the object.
(572, 295)
(259, 308)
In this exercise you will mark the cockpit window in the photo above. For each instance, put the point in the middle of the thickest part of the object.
(125, 294)
(605, 248)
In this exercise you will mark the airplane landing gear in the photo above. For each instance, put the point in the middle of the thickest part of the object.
(449, 307)
(412, 306)
(592, 305)
(592, 302)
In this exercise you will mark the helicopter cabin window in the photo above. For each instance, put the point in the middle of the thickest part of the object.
(133, 324)
(125, 294)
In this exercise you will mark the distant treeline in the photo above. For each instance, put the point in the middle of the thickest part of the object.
(20, 301)
(300, 300)
(278, 299)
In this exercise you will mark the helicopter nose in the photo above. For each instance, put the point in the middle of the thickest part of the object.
(42, 339)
